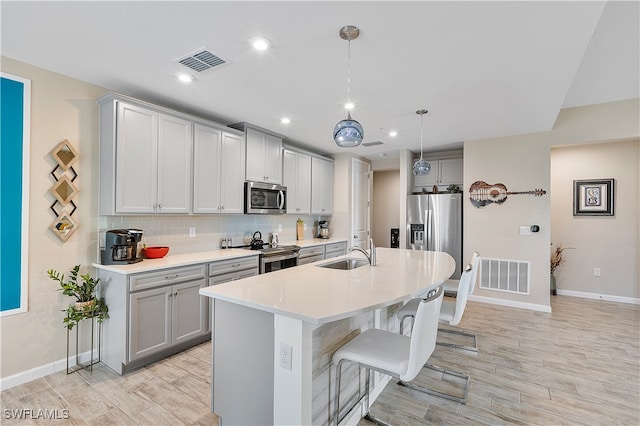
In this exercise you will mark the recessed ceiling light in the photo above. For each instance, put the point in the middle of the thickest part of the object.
(185, 78)
(260, 43)
(285, 120)
(349, 106)
(393, 133)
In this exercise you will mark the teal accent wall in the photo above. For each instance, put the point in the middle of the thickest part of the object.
(11, 152)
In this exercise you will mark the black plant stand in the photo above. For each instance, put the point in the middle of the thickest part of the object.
(92, 360)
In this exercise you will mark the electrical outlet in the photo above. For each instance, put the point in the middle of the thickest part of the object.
(192, 232)
(279, 227)
(305, 226)
(285, 356)
(596, 272)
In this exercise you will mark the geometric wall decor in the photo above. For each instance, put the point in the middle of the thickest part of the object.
(65, 154)
(64, 190)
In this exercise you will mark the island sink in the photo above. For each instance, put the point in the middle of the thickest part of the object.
(345, 264)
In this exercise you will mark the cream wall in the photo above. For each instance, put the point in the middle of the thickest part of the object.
(610, 242)
(523, 163)
(385, 212)
(61, 108)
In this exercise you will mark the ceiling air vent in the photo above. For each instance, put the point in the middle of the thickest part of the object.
(201, 60)
(374, 143)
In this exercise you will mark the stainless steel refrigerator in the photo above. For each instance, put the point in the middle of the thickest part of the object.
(434, 222)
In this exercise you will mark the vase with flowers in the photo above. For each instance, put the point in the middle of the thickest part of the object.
(557, 259)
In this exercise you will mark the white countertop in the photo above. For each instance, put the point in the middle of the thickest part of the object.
(314, 242)
(171, 261)
(320, 295)
(186, 259)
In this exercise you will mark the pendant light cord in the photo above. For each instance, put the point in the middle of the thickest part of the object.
(349, 72)
(421, 118)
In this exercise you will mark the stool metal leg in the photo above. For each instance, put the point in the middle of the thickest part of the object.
(461, 400)
(367, 415)
(473, 348)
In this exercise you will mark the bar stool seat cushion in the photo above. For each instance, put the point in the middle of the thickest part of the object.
(390, 350)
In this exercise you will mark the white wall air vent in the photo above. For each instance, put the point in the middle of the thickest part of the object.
(201, 60)
(505, 275)
(374, 143)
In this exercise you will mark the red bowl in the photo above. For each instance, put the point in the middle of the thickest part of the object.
(155, 252)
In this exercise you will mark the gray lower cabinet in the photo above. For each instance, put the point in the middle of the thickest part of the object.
(335, 249)
(310, 254)
(223, 271)
(164, 317)
(153, 315)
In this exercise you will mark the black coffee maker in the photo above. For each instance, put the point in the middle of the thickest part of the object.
(121, 247)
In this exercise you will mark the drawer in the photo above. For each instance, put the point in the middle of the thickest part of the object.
(336, 247)
(310, 259)
(232, 276)
(247, 273)
(233, 265)
(310, 251)
(222, 278)
(166, 277)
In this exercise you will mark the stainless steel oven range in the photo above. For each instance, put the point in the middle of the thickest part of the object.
(278, 257)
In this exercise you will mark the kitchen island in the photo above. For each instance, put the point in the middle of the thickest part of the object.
(266, 360)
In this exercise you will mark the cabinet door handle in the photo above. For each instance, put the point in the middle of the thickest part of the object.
(236, 265)
(171, 277)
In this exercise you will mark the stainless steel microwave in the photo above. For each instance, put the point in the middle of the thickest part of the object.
(264, 198)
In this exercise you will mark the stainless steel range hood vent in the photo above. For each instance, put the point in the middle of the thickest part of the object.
(201, 60)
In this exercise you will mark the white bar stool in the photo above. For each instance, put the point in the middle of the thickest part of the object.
(451, 286)
(390, 353)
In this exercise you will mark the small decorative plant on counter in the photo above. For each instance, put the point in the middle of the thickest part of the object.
(87, 304)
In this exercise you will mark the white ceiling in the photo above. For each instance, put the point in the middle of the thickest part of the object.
(483, 69)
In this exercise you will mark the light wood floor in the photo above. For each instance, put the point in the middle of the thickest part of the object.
(578, 365)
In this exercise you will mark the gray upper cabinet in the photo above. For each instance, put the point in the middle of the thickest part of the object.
(264, 156)
(218, 174)
(321, 186)
(443, 172)
(297, 179)
(145, 159)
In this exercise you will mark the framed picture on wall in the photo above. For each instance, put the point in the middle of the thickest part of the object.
(593, 197)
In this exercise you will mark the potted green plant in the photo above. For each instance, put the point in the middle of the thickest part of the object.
(557, 259)
(87, 304)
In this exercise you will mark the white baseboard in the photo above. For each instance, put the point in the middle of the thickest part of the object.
(596, 296)
(511, 303)
(43, 370)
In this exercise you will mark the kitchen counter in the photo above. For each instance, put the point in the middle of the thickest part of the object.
(319, 295)
(186, 259)
(273, 333)
(314, 242)
(171, 261)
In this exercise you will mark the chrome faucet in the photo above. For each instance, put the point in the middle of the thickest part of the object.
(370, 257)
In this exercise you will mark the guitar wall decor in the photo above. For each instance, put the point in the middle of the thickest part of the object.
(481, 193)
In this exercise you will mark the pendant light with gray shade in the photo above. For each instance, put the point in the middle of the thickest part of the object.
(421, 167)
(348, 133)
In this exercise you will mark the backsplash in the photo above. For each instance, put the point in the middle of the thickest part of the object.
(173, 231)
